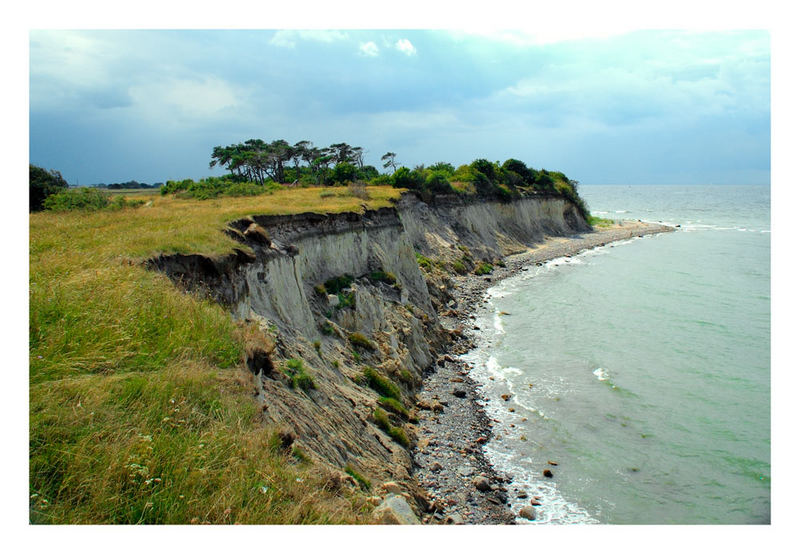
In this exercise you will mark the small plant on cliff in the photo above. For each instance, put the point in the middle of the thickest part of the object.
(484, 268)
(362, 481)
(396, 433)
(295, 370)
(335, 284)
(384, 277)
(359, 340)
(381, 384)
(394, 406)
(424, 263)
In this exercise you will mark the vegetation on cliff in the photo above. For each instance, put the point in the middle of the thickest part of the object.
(140, 409)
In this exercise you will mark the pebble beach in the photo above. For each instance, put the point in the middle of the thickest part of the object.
(453, 428)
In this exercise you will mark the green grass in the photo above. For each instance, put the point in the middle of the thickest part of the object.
(362, 481)
(601, 222)
(380, 384)
(393, 405)
(483, 268)
(299, 378)
(360, 341)
(396, 433)
(118, 353)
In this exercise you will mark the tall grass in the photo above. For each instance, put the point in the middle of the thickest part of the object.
(136, 414)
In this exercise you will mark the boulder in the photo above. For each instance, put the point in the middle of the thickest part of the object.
(394, 510)
(527, 512)
(482, 484)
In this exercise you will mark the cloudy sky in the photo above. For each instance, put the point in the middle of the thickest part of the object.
(627, 107)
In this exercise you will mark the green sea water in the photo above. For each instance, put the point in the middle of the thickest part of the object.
(641, 368)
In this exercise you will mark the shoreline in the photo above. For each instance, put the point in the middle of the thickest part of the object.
(449, 459)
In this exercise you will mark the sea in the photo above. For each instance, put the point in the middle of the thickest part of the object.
(638, 373)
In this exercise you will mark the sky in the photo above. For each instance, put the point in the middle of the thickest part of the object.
(627, 107)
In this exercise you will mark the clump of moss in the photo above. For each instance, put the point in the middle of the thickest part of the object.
(296, 372)
(381, 384)
(320, 289)
(359, 340)
(396, 433)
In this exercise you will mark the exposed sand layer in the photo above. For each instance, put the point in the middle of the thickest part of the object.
(449, 459)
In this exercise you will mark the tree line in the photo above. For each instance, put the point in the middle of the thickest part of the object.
(257, 161)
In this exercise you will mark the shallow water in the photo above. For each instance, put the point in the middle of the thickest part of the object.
(640, 368)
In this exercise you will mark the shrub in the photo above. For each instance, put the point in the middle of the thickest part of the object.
(384, 277)
(358, 190)
(438, 183)
(484, 268)
(359, 340)
(295, 370)
(41, 184)
(381, 384)
(336, 284)
(88, 199)
(343, 173)
(459, 267)
(212, 187)
(346, 300)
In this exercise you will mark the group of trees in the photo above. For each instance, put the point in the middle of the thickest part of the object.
(43, 183)
(258, 161)
(132, 184)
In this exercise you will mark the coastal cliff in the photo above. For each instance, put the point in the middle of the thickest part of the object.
(341, 299)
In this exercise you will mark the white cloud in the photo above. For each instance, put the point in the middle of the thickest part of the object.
(289, 39)
(369, 49)
(194, 100)
(405, 46)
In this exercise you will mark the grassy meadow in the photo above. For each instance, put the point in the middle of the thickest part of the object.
(140, 409)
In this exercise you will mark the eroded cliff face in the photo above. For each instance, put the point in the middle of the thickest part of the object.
(379, 311)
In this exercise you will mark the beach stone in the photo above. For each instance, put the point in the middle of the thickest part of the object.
(436, 466)
(454, 519)
(527, 512)
(459, 393)
(505, 397)
(547, 473)
(394, 510)
(482, 484)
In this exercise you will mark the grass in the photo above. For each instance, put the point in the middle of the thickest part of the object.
(177, 446)
(112, 345)
(380, 384)
(360, 341)
(595, 221)
(396, 433)
(483, 268)
(296, 372)
(362, 481)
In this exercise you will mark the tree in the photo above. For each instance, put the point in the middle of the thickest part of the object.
(43, 183)
(388, 160)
